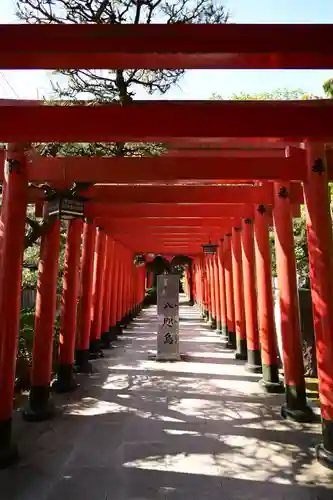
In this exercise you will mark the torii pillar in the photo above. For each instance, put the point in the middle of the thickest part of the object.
(229, 291)
(86, 296)
(65, 381)
(237, 271)
(223, 299)
(269, 352)
(320, 244)
(295, 406)
(40, 406)
(250, 298)
(10, 290)
(98, 293)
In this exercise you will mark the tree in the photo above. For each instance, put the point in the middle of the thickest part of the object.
(119, 85)
(299, 224)
(280, 94)
(328, 88)
(115, 85)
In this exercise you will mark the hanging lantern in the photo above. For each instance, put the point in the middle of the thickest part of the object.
(65, 207)
(209, 248)
(140, 259)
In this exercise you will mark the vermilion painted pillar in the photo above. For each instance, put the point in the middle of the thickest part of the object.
(197, 273)
(217, 294)
(237, 272)
(123, 295)
(2, 215)
(229, 291)
(40, 407)
(137, 288)
(320, 245)
(212, 301)
(106, 335)
(86, 295)
(269, 352)
(223, 300)
(204, 311)
(205, 279)
(142, 286)
(15, 206)
(114, 295)
(98, 292)
(120, 291)
(65, 381)
(193, 283)
(250, 298)
(206, 287)
(128, 311)
(127, 317)
(296, 405)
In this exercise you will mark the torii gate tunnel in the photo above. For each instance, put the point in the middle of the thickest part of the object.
(230, 171)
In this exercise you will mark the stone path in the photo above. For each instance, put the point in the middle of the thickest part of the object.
(143, 430)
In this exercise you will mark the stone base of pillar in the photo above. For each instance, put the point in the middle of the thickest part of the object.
(82, 364)
(296, 407)
(324, 451)
(113, 333)
(65, 381)
(106, 340)
(254, 361)
(95, 350)
(222, 331)
(125, 320)
(204, 314)
(241, 353)
(119, 328)
(218, 326)
(40, 405)
(304, 415)
(272, 387)
(212, 323)
(270, 381)
(134, 312)
(8, 451)
(231, 340)
(224, 335)
(324, 457)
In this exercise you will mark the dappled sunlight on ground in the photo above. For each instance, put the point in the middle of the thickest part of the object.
(137, 429)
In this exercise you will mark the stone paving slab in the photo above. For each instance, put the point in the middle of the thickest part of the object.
(139, 429)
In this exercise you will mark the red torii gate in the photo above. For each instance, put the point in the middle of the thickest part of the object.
(187, 46)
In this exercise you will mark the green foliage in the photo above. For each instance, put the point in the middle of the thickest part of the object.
(328, 88)
(301, 250)
(299, 224)
(98, 149)
(25, 345)
(24, 354)
(181, 261)
(150, 297)
(280, 94)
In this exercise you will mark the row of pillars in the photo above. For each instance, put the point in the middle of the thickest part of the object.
(102, 291)
(235, 293)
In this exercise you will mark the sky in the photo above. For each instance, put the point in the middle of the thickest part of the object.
(201, 84)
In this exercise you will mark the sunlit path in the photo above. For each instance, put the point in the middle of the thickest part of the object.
(140, 429)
